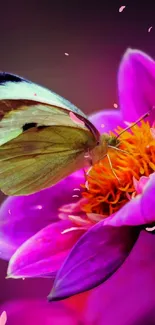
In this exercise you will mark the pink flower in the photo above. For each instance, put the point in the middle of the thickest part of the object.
(85, 244)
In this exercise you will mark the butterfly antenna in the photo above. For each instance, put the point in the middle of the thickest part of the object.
(133, 124)
(126, 129)
(123, 151)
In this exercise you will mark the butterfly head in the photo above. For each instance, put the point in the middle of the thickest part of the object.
(109, 140)
(100, 151)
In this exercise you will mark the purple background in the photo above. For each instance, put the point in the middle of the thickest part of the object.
(34, 38)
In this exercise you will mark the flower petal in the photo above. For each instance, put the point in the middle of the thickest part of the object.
(127, 298)
(3, 318)
(30, 312)
(136, 83)
(7, 249)
(43, 254)
(139, 211)
(140, 185)
(107, 120)
(98, 253)
(21, 217)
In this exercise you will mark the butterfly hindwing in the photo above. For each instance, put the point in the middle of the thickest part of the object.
(39, 158)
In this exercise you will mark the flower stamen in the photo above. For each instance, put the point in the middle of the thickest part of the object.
(109, 183)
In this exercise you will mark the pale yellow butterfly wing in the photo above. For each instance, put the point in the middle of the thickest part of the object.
(40, 143)
(39, 158)
(15, 114)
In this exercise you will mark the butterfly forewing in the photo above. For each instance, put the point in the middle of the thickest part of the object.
(22, 101)
(27, 112)
(13, 87)
(40, 143)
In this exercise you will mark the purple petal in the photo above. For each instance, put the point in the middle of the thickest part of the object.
(127, 298)
(138, 211)
(43, 254)
(107, 120)
(30, 312)
(21, 217)
(7, 250)
(136, 83)
(98, 253)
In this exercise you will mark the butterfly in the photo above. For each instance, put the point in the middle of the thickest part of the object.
(43, 137)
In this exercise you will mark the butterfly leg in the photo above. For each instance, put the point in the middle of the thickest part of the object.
(89, 158)
(118, 149)
(85, 174)
(110, 164)
(88, 164)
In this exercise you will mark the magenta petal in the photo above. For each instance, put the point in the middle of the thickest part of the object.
(38, 312)
(107, 120)
(21, 217)
(138, 211)
(130, 214)
(43, 254)
(97, 254)
(136, 84)
(148, 202)
(7, 250)
(128, 297)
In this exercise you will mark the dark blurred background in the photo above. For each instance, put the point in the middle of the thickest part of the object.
(35, 35)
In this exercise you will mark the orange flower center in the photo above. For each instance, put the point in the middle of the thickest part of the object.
(104, 192)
